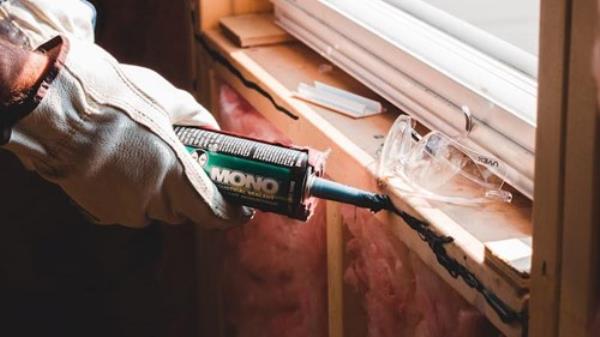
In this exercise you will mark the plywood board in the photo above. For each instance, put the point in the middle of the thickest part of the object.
(253, 30)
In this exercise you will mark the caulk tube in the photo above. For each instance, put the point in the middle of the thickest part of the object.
(330, 190)
(267, 176)
(270, 177)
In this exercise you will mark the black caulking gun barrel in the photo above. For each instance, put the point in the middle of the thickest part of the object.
(270, 177)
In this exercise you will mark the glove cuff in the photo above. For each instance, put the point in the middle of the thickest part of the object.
(57, 49)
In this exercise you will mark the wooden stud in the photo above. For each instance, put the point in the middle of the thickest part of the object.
(211, 311)
(214, 105)
(335, 269)
(549, 175)
(251, 6)
(191, 10)
(210, 315)
(580, 251)
(202, 83)
(211, 11)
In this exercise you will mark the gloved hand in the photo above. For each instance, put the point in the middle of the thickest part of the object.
(103, 132)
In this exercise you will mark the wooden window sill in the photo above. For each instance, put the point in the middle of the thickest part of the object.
(493, 241)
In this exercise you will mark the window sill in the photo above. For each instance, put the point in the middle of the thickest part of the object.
(485, 237)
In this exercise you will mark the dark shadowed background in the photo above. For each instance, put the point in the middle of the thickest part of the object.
(62, 276)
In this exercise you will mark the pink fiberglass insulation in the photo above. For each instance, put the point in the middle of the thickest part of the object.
(401, 295)
(274, 267)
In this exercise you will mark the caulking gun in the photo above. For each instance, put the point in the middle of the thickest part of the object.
(281, 179)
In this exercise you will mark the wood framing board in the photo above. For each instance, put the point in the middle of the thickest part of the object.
(356, 320)
(335, 269)
(253, 30)
(202, 81)
(211, 310)
(580, 231)
(354, 146)
(210, 316)
(549, 174)
(209, 12)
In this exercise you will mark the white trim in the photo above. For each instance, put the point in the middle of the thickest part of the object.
(476, 37)
(393, 73)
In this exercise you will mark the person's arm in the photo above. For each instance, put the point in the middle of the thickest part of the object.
(21, 71)
(103, 131)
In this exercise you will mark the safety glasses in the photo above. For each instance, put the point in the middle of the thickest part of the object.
(438, 167)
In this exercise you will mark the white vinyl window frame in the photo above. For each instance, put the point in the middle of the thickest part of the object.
(428, 73)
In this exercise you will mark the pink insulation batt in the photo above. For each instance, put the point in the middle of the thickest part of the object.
(276, 276)
(402, 296)
(275, 268)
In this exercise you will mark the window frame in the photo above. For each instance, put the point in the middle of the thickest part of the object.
(432, 96)
(472, 35)
(565, 218)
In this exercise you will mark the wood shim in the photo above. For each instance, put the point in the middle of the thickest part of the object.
(512, 258)
(253, 30)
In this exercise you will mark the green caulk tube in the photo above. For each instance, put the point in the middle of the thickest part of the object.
(268, 176)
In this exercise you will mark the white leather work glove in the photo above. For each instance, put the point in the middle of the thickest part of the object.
(103, 131)
(111, 147)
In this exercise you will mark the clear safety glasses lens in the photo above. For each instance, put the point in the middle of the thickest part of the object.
(438, 167)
